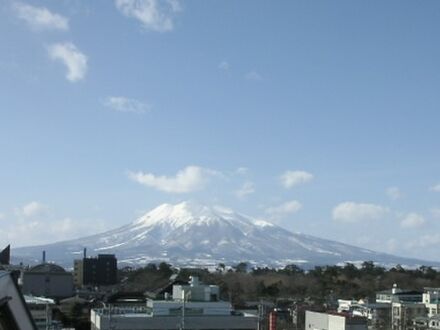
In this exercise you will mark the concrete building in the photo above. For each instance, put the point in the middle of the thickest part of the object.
(404, 313)
(41, 310)
(193, 306)
(378, 315)
(47, 280)
(98, 271)
(431, 299)
(397, 294)
(336, 321)
(14, 314)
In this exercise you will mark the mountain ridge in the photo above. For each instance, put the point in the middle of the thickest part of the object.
(192, 234)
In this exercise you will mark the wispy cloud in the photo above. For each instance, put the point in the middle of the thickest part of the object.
(74, 60)
(358, 212)
(124, 104)
(412, 220)
(253, 76)
(30, 231)
(394, 193)
(246, 189)
(435, 212)
(435, 188)
(40, 18)
(425, 241)
(156, 15)
(242, 170)
(224, 65)
(284, 209)
(293, 178)
(31, 209)
(189, 179)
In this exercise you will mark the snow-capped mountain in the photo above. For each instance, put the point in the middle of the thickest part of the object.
(192, 234)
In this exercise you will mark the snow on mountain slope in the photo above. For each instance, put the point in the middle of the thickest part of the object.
(192, 234)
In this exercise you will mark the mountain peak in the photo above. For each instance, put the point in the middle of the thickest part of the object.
(187, 212)
(189, 233)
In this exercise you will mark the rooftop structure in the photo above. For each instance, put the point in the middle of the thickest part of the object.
(41, 311)
(194, 306)
(5, 256)
(14, 315)
(334, 321)
(47, 280)
(397, 294)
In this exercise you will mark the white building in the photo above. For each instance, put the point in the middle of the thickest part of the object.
(325, 321)
(432, 301)
(193, 306)
(41, 311)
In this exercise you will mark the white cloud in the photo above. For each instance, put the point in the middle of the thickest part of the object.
(40, 18)
(394, 193)
(293, 178)
(224, 65)
(425, 241)
(435, 212)
(392, 245)
(436, 188)
(123, 104)
(28, 231)
(412, 220)
(2, 216)
(357, 212)
(156, 15)
(71, 57)
(284, 209)
(246, 189)
(254, 76)
(242, 171)
(189, 179)
(31, 209)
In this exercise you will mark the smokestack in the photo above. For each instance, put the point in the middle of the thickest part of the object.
(44, 257)
(85, 253)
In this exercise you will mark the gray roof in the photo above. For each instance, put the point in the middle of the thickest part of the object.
(47, 268)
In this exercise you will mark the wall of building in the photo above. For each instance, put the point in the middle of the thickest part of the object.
(147, 323)
(47, 284)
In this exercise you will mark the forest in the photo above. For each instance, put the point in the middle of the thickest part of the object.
(322, 284)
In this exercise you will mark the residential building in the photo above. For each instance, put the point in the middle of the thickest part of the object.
(377, 314)
(41, 310)
(193, 306)
(334, 321)
(98, 271)
(397, 294)
(431, 300)
(404, 313)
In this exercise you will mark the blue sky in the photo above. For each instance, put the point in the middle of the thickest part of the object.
(320, 116)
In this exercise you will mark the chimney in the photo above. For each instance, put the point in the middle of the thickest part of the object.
(85, 253)
(44, 257)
